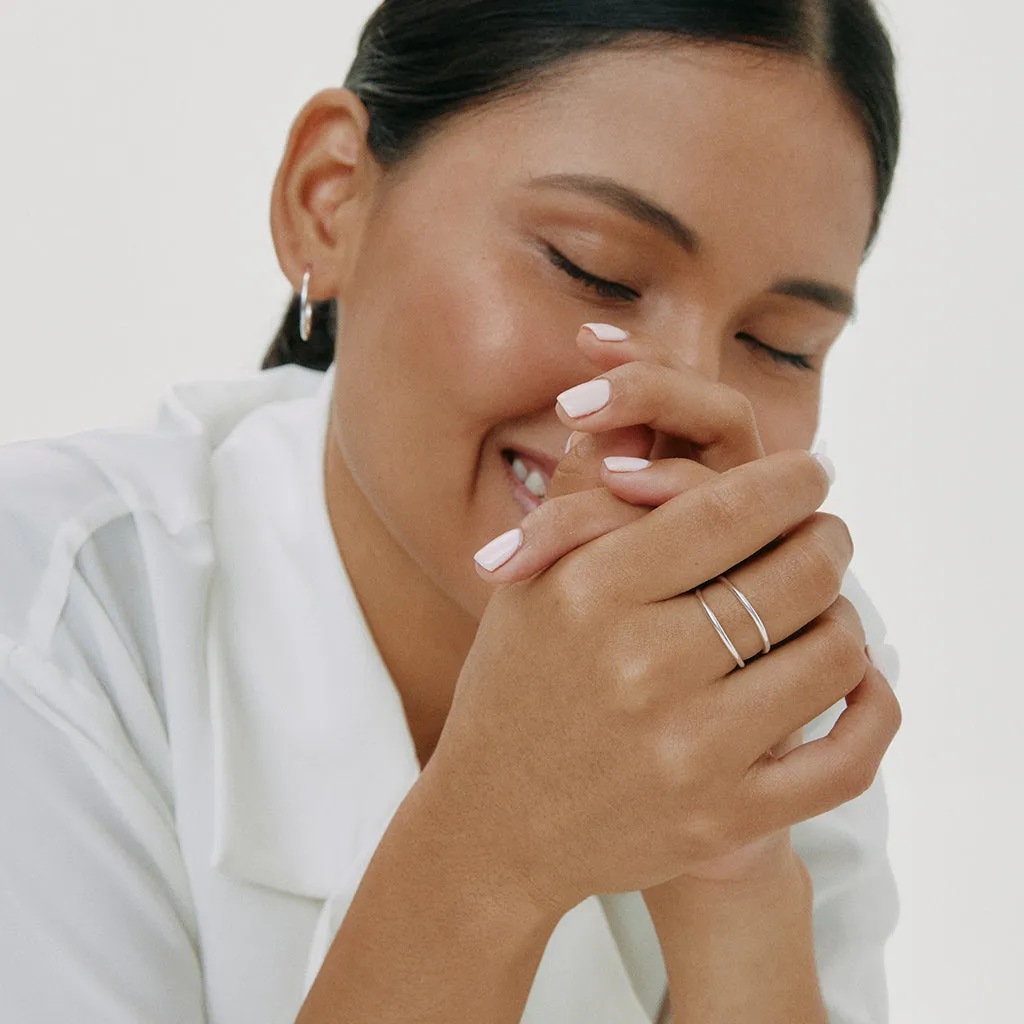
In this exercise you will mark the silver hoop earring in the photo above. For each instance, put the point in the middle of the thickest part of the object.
(305, 308)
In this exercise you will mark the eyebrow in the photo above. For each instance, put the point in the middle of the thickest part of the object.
(624, 199)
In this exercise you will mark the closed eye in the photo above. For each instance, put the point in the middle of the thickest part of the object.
(606, 289)
(790, 358)
(613, 290)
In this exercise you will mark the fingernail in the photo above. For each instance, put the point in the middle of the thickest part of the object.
(625, 464)
(828, 464)
(586, 398)
(494, 555)
(886, 659)
(573, 438)
(606, 332)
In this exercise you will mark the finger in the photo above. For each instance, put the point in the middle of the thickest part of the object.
(558, 527)
(796, 682)
(608, 346)
(820, 775)
(789, 583)
(582, 467)
(791, 742)
(789, 586)
(705, 531)
(653, 485)
(717, 420)
(579, 469)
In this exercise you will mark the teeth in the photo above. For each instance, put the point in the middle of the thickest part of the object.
(536, 484)
(532, 479)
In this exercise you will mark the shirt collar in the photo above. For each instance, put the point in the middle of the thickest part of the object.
(312, 750)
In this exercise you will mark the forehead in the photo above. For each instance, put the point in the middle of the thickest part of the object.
(739, 142)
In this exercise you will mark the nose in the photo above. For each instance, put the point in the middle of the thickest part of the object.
(682, 342)
(693, 341)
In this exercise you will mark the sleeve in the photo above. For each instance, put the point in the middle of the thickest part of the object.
(98, 924)
(856, 901)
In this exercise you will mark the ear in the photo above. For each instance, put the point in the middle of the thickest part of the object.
(322, 192)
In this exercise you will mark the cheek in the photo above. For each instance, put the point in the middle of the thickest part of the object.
(432, 356)
(786, 401)
(461, 341)
(786, 422)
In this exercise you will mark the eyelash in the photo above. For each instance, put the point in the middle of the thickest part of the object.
(612, 290)
(789, 358)
(606, 289)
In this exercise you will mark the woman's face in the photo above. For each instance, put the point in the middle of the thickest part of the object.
(459, 314)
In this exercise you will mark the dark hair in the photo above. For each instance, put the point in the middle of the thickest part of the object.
(420, 62)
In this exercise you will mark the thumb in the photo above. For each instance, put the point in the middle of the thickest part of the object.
(580, 467)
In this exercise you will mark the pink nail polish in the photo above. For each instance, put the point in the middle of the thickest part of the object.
(625, 464)
(607, 332)
(586, 398)
(495, 554)
(827, 464)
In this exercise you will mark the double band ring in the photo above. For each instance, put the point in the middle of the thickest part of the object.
(766, 644)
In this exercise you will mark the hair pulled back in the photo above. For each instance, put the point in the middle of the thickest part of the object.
(420, 62)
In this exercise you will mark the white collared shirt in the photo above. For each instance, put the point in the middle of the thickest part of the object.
(200, 746)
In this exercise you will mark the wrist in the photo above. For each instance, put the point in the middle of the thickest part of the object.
(783, 876)
(432, 932)
(740, 950)
(472, 846)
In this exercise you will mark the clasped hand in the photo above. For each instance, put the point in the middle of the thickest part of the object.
(647, 717)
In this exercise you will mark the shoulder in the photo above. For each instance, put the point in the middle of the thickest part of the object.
(63, 501)
(106, 552)
(108, 508)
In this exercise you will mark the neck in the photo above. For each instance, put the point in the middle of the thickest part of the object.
(422, 634)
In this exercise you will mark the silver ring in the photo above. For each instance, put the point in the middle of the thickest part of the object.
(721, 632)
(766, 643)
(305, 308)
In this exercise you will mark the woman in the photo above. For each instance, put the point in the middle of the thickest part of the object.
(281, 749)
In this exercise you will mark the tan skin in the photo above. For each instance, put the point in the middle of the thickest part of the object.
(458, 334)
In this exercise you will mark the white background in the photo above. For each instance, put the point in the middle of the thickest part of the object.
(139, 143)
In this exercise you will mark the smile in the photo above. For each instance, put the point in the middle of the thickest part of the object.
(529, 480)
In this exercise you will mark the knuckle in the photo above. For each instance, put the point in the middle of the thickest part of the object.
(738, 410)
(843, 612)
(854, 777)
(724, 506)
(733, 832)
(818, 565)
(733, 406)
(839, 531)
(628, 379)
(707, 836)
(633, 693)
(845, 648)
(570, 592)
(864, 777)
